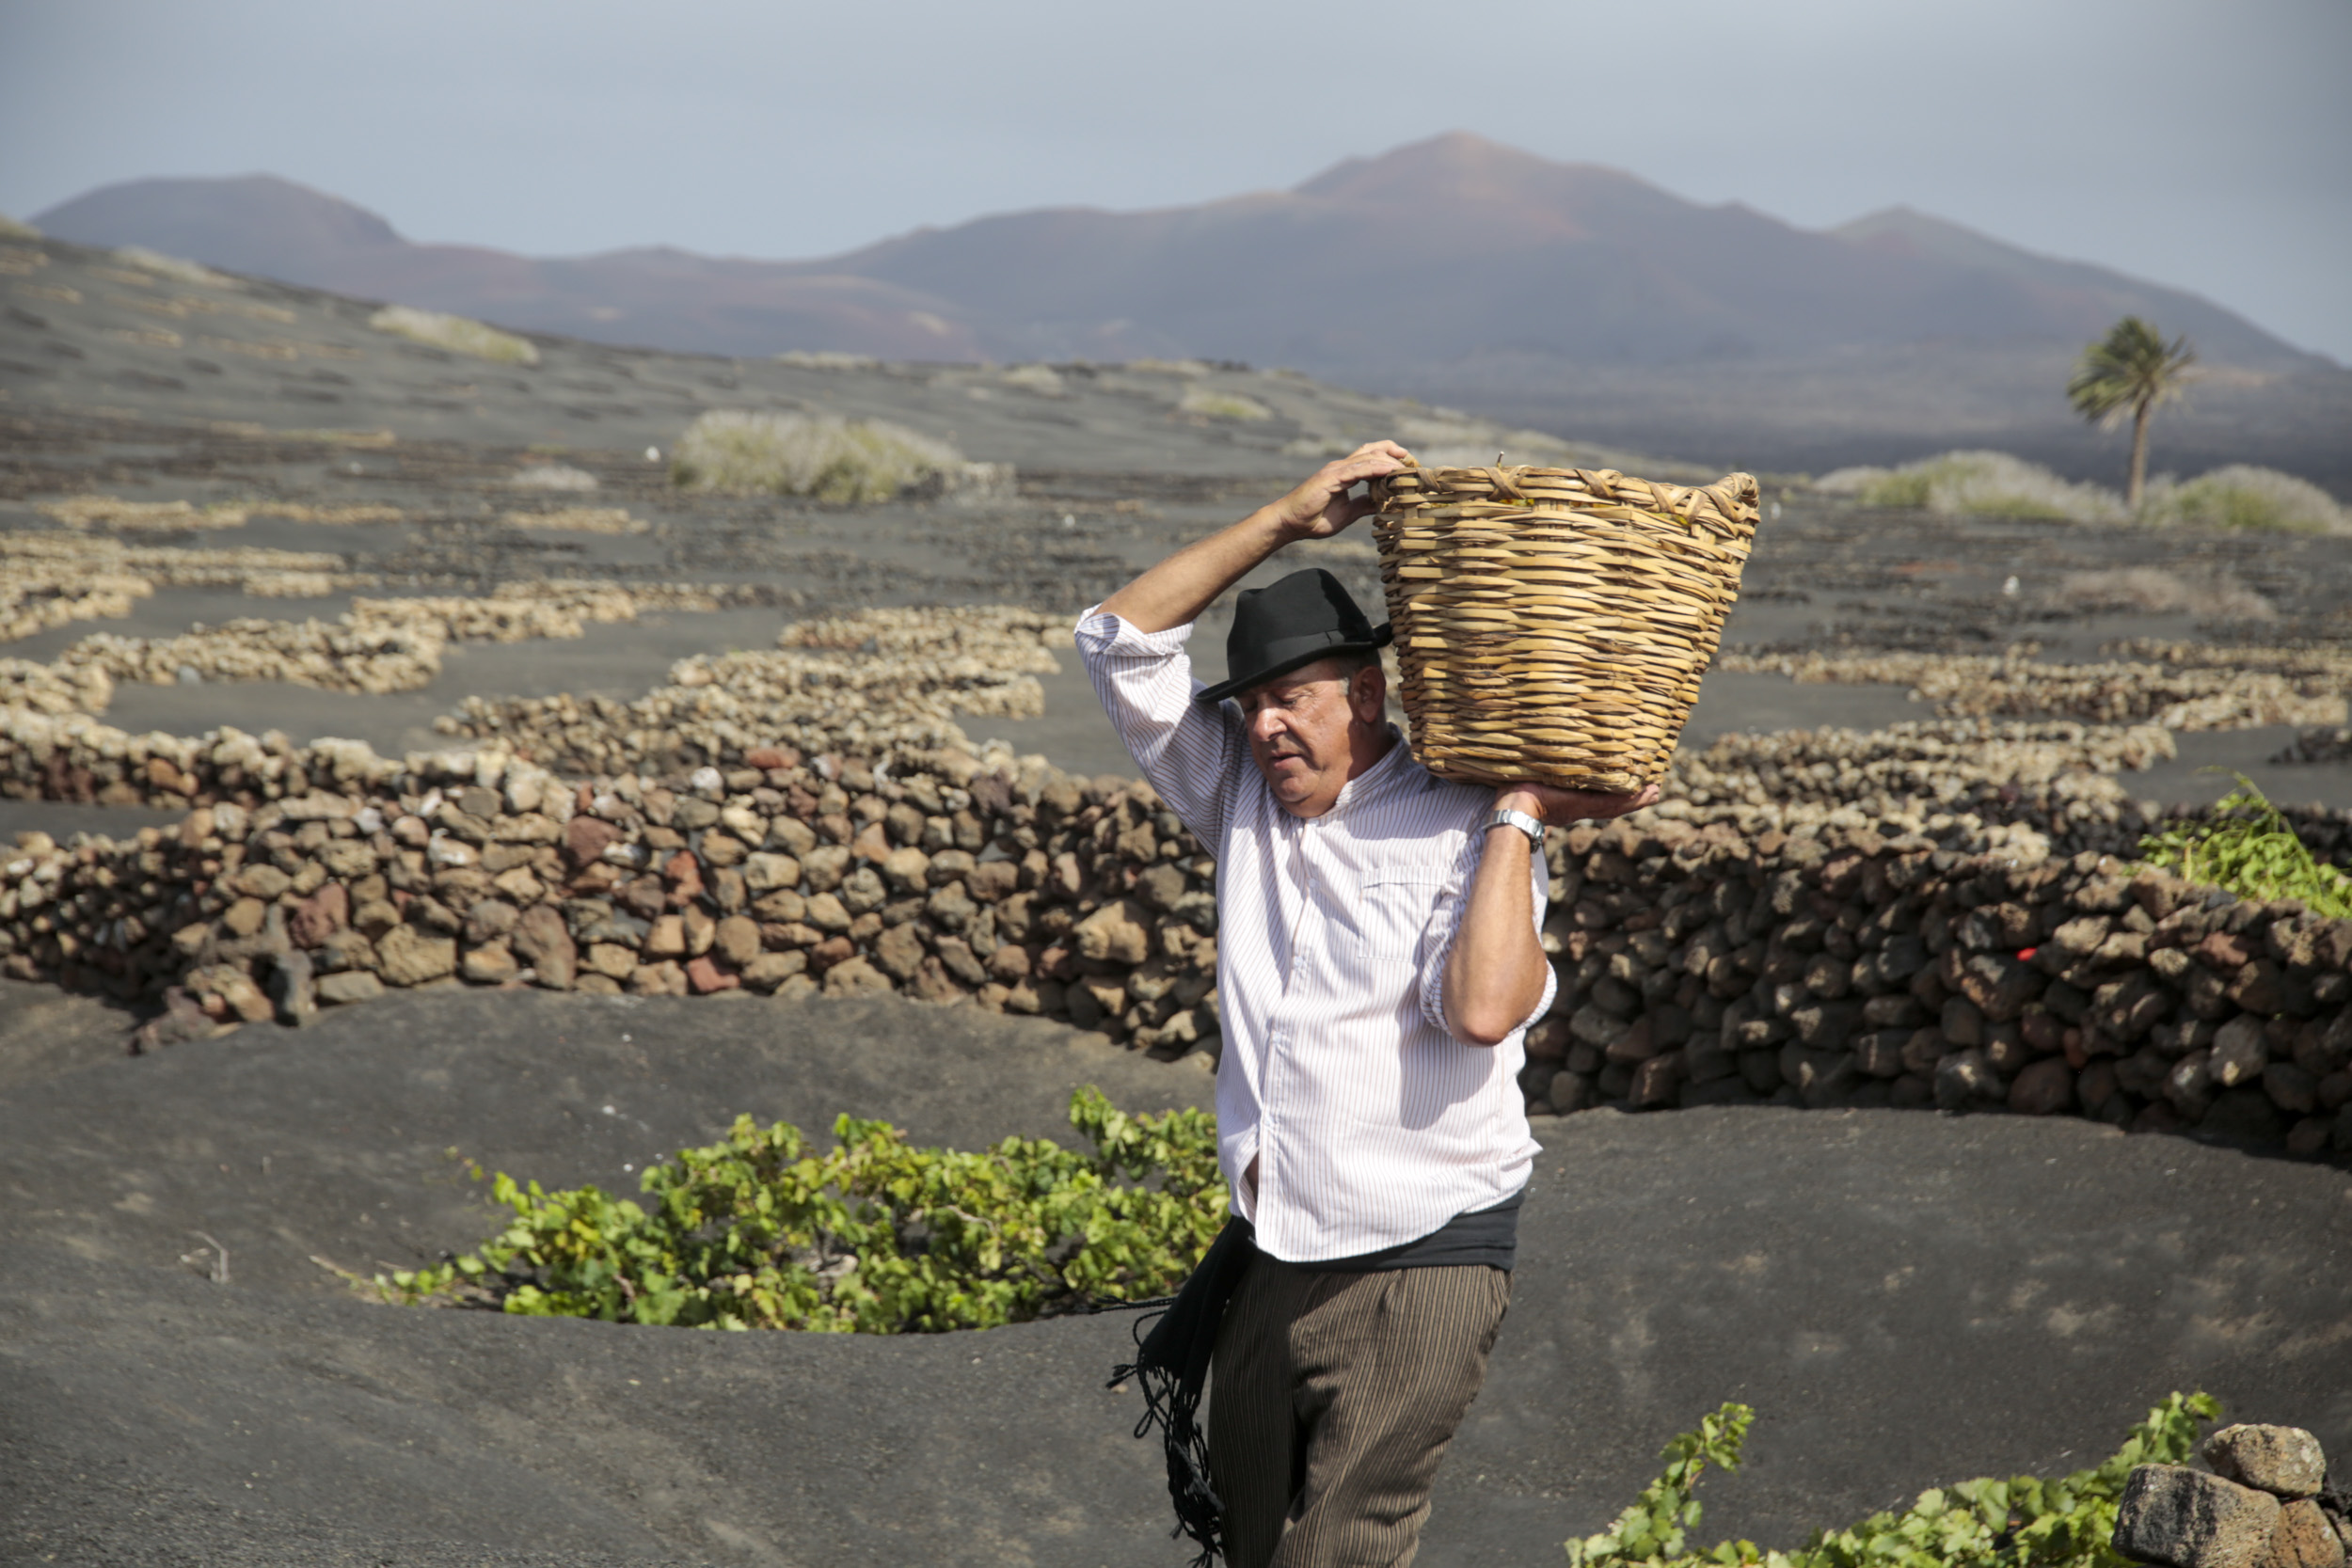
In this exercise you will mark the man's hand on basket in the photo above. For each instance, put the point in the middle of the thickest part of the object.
(1557, 808)
(1320, 507)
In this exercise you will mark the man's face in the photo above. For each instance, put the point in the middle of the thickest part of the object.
(1308, 728)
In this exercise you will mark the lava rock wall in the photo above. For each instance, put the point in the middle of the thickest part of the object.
(1701, 962)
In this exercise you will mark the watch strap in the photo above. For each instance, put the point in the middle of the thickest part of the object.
(1520, 819)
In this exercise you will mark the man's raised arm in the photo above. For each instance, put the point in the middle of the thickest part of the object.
(1497, 971)
(1175, 592)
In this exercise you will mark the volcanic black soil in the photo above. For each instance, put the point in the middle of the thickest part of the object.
(1905, 1298)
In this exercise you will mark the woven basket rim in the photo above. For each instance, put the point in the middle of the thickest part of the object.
(1731, 501)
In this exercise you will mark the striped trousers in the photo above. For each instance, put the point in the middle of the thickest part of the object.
(1332, 1398)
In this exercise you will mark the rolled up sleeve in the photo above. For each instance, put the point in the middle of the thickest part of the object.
(1447, 923)
(1189, 749)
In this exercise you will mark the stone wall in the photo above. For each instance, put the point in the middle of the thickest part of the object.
(950, 876)
(1835, 963)
(1847, 968)
(2267, 1502)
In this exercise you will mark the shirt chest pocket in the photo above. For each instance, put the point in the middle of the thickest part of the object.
(1394, 912)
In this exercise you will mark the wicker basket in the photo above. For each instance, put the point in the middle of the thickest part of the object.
(1553, 623)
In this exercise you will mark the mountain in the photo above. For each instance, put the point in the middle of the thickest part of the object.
(1456, 246)
(1567, 294)
(653, 297)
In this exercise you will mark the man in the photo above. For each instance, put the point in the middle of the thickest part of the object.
(1378, 964)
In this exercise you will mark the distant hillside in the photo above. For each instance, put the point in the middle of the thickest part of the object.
(1566, 295)
(1456, 246)
(649, 298)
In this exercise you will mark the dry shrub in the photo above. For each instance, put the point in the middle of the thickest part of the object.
(1212, 404)
(580, 519)
(455, 334)
(176, 268)
(1987, 484)
(553, 476)
(1041, 379)
(827, 359)
(333, 517)
(2244, 497)
(82, 512)
(2154, 590)
(12, 230)
(831, 459)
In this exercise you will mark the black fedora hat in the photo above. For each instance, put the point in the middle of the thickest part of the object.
(1290, 624)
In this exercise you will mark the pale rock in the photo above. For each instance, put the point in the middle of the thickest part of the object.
(519, 883)
(766, 871)
(666, 978)
(375, 917)
(2285, 1461)
(951, 909)
(899, 952)
(2303, 1538)
(1161, 886)
(407, 957)
(863, 891)
(545, 944)
(768, 971)
(853, 978)
(1118, 932)
(492, 964)
(351, 986)
(736, 940)
(824, 866)
(611, 960)
(2182, 1518)
(264, 881)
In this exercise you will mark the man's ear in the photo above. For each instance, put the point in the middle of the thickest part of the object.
(1368, 693)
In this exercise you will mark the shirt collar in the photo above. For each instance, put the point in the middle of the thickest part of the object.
(1375, 778)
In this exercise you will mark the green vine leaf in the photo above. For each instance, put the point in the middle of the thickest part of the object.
(1992, 1522)
(870, 1236)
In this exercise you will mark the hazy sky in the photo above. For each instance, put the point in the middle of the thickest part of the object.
(2205, 145)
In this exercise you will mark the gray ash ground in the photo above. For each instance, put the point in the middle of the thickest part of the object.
(1907, 1298)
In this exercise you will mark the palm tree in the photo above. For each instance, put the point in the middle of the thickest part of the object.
(2134, 368)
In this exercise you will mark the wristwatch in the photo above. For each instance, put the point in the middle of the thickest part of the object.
(1520, 819)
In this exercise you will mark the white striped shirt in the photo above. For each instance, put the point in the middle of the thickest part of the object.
(1371, 1124)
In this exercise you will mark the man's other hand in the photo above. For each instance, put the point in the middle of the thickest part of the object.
(1322, 507)
(1557, 808)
